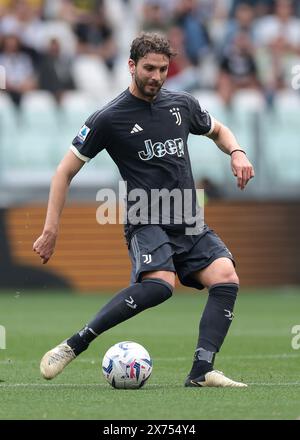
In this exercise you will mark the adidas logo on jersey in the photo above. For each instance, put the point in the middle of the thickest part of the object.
(136, 129)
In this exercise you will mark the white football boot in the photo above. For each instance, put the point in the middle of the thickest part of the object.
(55, 360)
(213, 378)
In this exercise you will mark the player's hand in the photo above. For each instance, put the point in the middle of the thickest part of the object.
(241, 168)
(44, 246)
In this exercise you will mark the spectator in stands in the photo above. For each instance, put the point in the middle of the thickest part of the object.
(261, 7)
(98, 39)
(237, 68)
(282, 24)
(182, 75)
(24, 19)
(54, 72)
(4, 7)
(74, 11)
(215, 14)
(94, 32)
(197, 42)
(243, 20)
(20, 74)
(154, 16)
(278, 47)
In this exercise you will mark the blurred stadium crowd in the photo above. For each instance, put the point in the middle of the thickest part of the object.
(63, 59)
(222, 45)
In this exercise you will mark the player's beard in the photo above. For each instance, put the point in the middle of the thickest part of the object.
(152, 91)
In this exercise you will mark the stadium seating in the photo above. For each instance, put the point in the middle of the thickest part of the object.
(91, 76)
(60, 31)
(281, 145)
(287, 99)
(206, 159)
(46, 130)
(210, 101)
(39, 129)
(249, 99)
(118, 14)
(248, 106)
(35, 103)
(8, 131)
(121, 76)
(74, 102)
(205, 156)
(28, 141)
(7, 114)
(75, 108)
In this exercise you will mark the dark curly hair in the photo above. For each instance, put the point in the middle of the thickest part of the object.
(150, 43)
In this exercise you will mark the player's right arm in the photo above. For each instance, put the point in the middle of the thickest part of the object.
(90, 140)
(66, 170)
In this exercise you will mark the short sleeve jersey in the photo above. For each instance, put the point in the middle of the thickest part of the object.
(147, 141)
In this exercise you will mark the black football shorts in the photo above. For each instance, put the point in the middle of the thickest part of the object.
(153, 248)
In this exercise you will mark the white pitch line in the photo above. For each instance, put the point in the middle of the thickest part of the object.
(260, 333)
(224, 357)
(97, 385)
(266, 384)
(247, 356)
(263, 356)
(51, 385)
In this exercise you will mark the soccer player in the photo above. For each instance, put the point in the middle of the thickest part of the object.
(145, 131)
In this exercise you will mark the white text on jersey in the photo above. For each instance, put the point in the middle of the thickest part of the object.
(160, 149)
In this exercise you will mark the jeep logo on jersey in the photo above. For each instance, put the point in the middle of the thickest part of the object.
(160, 149)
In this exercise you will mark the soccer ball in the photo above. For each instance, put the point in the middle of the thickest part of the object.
(127, 365)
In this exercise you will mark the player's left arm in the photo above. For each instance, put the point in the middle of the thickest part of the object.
(226, 141)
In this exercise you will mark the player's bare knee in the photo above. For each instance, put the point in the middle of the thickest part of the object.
(227, 277)
(224, 276)
(230, 276)
(226, 273)
(236, 279)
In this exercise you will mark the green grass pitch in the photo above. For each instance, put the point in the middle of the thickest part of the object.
(257, 351)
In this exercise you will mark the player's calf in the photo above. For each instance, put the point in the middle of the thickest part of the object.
(214, 325)
(126, 304)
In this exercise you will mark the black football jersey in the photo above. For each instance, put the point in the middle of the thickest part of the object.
(148, 143)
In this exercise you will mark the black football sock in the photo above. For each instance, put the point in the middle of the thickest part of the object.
(126, 304)
(214, 325)
(203, 362)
